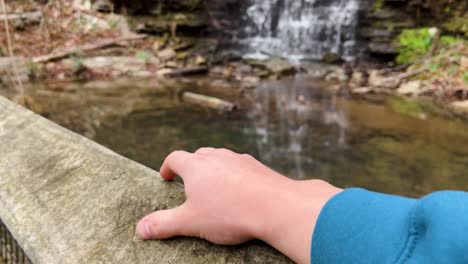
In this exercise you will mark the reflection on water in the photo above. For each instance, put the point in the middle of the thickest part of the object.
(286, 115)
(293, 126)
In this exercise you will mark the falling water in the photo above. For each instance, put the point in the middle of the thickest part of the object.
(301, 29)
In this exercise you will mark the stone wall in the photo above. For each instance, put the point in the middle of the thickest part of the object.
(382, 20)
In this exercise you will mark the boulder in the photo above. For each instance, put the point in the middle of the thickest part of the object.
(410, 88)
(276, 66)
(166, 54)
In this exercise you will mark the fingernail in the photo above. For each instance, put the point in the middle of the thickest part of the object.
(143, 230)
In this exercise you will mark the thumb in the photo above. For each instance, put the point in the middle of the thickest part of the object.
(165, 224)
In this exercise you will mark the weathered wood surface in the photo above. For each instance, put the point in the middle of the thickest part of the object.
(67, 199)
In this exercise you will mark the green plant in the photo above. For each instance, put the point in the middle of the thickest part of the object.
(34, 70)
(143, 55)
(412, 44)
(450, 40)
(465, 77)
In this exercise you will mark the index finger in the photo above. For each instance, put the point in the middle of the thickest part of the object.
(176, 164)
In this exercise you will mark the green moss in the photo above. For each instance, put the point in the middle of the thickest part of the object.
(413, 43)
(378, 4)
(450, 40)
(457, 25)
(407, 107)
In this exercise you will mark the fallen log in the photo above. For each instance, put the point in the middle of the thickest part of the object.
(187, 72)
(87, 47)
(28, 17)
(208, 101)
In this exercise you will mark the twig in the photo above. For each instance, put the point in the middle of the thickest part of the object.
(87, 47)
(28, 16)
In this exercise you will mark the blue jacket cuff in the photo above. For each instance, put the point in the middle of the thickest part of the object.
(359, 226)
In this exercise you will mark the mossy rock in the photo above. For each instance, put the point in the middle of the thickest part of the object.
(407, 107)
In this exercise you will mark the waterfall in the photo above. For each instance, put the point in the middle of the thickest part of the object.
(300, 29)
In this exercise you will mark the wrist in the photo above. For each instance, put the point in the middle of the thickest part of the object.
(291, 213)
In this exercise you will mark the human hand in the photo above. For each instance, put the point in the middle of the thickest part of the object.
(233, 198)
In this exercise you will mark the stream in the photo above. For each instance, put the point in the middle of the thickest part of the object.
(295, 126)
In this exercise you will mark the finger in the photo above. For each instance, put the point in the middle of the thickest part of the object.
(204, 151)
(166, 223)
(175, 164)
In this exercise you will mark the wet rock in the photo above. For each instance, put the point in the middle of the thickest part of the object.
(167, 54)
(380, 47)
(142, 74)
(200, 60)
(279, 66)
(171, 64)
(13, 69)
(18, 24)
(250, 81)
(373, 33)
(337, 74)
(358, 79)
(361, 90)
(276, 66)
(82, 4)
(316, 70)
(156, 46)
(103, 6)
(163, 72)
(460, 107)
(410, 88)
(183, 45)
(331, 58)
(376, 80)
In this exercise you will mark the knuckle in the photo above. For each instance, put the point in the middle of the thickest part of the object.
(225, 150)
(177, 155)
(247, 156)
(204, 150)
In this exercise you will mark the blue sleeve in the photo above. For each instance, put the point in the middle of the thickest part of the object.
(359, 226)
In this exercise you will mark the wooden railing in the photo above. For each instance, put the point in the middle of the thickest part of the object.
(66, 199)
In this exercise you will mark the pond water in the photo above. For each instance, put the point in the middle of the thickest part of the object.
(294, 126)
